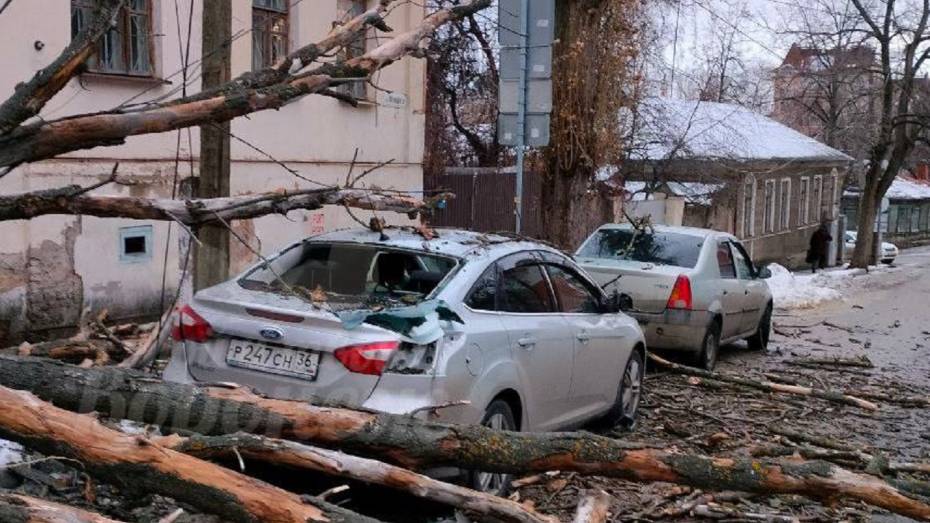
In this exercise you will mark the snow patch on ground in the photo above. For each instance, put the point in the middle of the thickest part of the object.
(804, 291)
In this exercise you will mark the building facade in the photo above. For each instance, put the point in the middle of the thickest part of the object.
(906, 223)
(739, 172)
(53, 267)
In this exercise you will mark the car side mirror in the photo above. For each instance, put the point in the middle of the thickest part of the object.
(764, 273)
(619, 302)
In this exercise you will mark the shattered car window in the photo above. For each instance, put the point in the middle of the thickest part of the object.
(353, 274)
(664, 248)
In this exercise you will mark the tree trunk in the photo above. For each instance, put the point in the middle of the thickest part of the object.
(592, 75)
(869, 207)
(139, 465)
(26, 509)
(416, 444)
(304, 457)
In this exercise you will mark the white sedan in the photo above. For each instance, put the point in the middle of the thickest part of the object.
(692, 289)
(889, 250)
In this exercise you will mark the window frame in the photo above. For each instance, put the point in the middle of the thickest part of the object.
(749, 211)
(357, 90)
(94, 64)
(593, 291)
(267, 35)
(725, 246)
(818, 190)
(147, 233)
(804, 197)
(784, 204)
(770, 197)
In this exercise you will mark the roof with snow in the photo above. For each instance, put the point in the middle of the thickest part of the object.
(904, 188)
(681, 129)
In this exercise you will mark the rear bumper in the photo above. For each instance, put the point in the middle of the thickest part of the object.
(674, 329)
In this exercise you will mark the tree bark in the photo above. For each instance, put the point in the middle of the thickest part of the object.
(139, 465)
(27, 509)
(194, 212)
(767, 386)
(30, 97)
(48, 139)
(417, 444)
(304, 457)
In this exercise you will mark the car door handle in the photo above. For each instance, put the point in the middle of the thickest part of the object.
(583, 337)
(527, 343)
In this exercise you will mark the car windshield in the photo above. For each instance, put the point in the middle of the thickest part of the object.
(352, 275)
(666, 248)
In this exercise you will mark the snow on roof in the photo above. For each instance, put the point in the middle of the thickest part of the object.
(908, 189)
(706, 130)
(697, 193)
(902, 188)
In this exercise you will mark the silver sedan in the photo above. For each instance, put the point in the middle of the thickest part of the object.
(511, 332)
(692, 289)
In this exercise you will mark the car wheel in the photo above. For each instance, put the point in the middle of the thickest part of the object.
(498, 416)
(760, 340)
(623, 412)
(710, 348)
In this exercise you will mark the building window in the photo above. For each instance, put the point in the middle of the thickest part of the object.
(347, 10)
(925, 217)
(126, 48)
(835, 202)
(135, 244)
(269, 32)
(804, 200)
(769, 221)
(784, 204)
(915, 218)
(904, 219)
(749, 208)
(817, 198)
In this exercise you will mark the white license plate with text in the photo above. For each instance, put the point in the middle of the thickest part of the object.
(276, 360)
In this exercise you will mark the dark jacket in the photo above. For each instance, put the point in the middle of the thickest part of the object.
(820, 240)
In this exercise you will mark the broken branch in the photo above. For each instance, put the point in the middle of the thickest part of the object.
(16, 507)
(767, 386)
(419, 444)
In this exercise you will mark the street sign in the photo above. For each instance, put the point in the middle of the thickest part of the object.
(536, 130)
(541, 26)
(538, 97)
(539, 62)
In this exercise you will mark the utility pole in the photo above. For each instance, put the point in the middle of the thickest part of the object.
(521, 113)
(211, 259)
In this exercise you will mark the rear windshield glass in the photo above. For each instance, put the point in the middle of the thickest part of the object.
(665, 248)
(352, 275)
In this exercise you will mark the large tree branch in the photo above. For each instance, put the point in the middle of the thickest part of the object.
(417, 444)
(71, 200)
(30, 97)
(45, 140)
(17, 507)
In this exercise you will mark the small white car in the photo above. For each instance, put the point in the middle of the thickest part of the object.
(692, 289)
(889, 250)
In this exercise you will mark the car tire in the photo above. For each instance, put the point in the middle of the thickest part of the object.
(760, 340)
(710, 348)
(498, 416)
(622, 413)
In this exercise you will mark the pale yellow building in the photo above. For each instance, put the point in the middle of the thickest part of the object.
(52, 267)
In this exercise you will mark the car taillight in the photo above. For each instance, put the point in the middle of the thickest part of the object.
(369, 358)
(191, 326)
(681, 294)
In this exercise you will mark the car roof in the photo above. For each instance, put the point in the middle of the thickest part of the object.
(447, 241)
(679, 229)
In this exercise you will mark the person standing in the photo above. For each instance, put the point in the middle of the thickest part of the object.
(819, 247)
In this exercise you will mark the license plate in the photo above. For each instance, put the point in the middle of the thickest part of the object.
(274, 360)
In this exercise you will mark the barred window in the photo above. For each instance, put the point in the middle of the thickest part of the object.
(270, 20)
(126, 49)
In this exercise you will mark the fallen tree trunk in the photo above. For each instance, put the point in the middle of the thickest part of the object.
(296, 455)
(767, 386)
(417, 444)
(139, 465)
(16, 507)
(71, 200)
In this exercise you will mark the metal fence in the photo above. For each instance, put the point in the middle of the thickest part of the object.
(484, 200)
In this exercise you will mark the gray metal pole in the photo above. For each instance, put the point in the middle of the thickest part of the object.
(521, 112)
